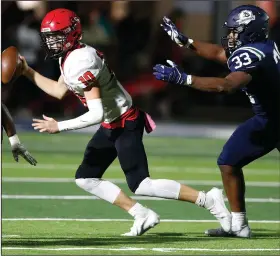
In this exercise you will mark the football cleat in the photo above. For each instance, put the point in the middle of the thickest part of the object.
(143, 224)
(218, 232)
(244, 232)
(219, 209)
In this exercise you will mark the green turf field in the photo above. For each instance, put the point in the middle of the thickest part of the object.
(43, 212)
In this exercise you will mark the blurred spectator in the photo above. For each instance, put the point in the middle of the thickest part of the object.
(275, 32)
(273, 10)
(97, 30)
(11, 16)
(165, 48)
(28, 38)
(133, 33)
(27, 33)
(275, 29)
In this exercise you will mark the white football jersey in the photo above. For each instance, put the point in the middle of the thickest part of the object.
(87, 63)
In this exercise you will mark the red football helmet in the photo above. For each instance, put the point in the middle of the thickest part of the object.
(61, 31)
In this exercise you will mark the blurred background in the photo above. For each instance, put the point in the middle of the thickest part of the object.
(129, 34)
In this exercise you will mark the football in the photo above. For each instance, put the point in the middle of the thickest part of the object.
(11, 65)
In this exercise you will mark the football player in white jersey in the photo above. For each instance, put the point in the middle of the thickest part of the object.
(84, 72)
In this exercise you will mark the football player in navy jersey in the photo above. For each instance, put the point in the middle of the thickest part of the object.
(254, 62)
(18, 149)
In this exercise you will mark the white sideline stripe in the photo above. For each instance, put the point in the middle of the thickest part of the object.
(252, 200)
(71, 167)
(122, 181)
(137, 249)
(8, 236)
(129, 220)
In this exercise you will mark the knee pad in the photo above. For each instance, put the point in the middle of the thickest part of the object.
(159, 188)
(88, 184)
(145, 188)
(103, 189)
(134, 180)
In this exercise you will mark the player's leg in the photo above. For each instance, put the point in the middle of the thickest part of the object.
(144, 217)
(250, 141)
(133, 160)
(99, 154)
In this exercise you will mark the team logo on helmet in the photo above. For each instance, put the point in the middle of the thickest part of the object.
(45, 30)
(245, 17)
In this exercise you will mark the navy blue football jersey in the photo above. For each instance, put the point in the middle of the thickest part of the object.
(262, 61)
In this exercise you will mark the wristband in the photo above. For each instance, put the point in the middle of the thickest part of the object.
(190, 41)
(188, 80)
(14, 140)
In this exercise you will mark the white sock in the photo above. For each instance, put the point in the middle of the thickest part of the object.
(238, 219)
(203, 200)
(137, 210)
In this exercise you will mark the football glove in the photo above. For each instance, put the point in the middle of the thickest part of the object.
(175, 35)
(170, 74)
(20, 150)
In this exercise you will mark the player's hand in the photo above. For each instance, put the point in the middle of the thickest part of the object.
(170, 74)
(24, 65)
(176, 36)
(48, 125)
(20, 150)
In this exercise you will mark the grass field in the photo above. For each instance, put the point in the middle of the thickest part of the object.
(43, 212)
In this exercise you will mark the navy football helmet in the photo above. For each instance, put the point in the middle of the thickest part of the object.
(245, 24)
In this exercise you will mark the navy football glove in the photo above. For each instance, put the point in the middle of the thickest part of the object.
(170, 74)
(176, 36)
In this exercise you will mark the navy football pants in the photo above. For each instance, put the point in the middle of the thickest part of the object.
(251, 140)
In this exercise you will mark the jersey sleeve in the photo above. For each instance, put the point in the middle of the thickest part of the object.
(246, 59)
(84, 70)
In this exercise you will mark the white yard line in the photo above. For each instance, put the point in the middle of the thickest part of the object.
(10, 236)
(137, 249)
(122, 181)
(71, 167)
(68, 197)
(129, 220)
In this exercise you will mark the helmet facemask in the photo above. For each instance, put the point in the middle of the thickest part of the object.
(54, 43)
(58, 43)
(232, 41)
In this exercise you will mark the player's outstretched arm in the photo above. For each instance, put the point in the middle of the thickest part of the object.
(56, 89)
(10, 129)
(174, 75)
(230, 83)
(207, 50)
(92, 117)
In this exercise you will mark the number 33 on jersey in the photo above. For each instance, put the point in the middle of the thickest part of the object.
(262, 61)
